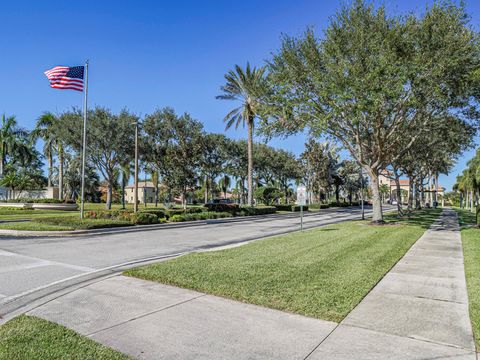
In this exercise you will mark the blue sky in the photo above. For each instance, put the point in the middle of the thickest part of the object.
(149, 54)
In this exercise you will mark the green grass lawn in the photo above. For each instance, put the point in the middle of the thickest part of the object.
(471, 254)
(31, 338)
(60, 223)
(322, 273)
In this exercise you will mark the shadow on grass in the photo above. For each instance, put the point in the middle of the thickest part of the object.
(466, 218)
(423, 218)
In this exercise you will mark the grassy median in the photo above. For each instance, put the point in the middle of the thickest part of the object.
(471, 254)
(322, 273)
(31, 338)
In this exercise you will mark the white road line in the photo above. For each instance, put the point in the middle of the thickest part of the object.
(44, 262)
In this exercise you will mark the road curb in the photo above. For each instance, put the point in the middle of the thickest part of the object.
(138, 228)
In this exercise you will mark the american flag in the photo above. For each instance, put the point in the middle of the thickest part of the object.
(66, 78)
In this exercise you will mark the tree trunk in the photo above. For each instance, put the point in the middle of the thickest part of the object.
(123, 189)
(206, 189)
(156, 191)
(337, 194)
(60, 172)
(184, 199)
(2, 160)
(377, 216)
(410, 195)
(50, 168)
(108, 205)
(250, 162)
(399, 195)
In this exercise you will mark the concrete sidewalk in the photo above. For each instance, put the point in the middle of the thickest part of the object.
(418, 311)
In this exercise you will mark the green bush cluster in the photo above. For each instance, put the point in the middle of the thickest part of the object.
(290, 207)
(8, 210)
(83, 224)
(207, 215)
(339, 204)
(169, 213)
(144, 218)
(230, 208)
(109, 214)
(257, 210)
(160, 213)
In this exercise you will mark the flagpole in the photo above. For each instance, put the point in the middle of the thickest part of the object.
(82, 205)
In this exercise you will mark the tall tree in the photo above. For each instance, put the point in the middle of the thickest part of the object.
(213, 159)
(45, 130)
(374, 80)
(249, 87)
(110, 141)
(12, 137)
(174, 145)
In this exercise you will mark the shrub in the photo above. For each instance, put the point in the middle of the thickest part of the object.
(257, 210)
(144, 218)
(230, 208)
(172, 212)
(194, 210)
(267, 194)
(338, 204)
(159, 213)
(297, 208)
(324, 206)
(199, 216)
(283, 207)
(109, 214)
(83, 224)
(4, 210)
(290, 207)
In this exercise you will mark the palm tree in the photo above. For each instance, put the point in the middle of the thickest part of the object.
(11, 138)
(48, 128)
(44, 130)
(225, 183)
(10, 180)
(249, 87)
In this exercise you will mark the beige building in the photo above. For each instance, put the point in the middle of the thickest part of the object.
(146, 192)
(430, 190)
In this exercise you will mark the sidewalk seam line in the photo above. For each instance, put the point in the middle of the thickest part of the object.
(410, 337)
(145, 314)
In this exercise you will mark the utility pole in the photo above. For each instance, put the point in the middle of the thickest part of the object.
(135, 189)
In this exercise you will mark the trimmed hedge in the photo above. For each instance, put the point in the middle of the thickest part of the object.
(159, 213)
(83, 224)
(144, 218)
(318, 206)
(41, 201)
(230, 208)
(109, 214)
(257, 210)
(291, 207)
(199, 216)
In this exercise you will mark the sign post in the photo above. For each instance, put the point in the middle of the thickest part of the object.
(302, 201)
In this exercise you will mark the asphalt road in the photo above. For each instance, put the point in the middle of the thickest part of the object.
(28, 264)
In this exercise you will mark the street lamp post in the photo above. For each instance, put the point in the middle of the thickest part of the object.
(135, 189)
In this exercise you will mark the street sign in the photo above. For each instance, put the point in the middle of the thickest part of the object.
(301, 195)
(302, 201)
